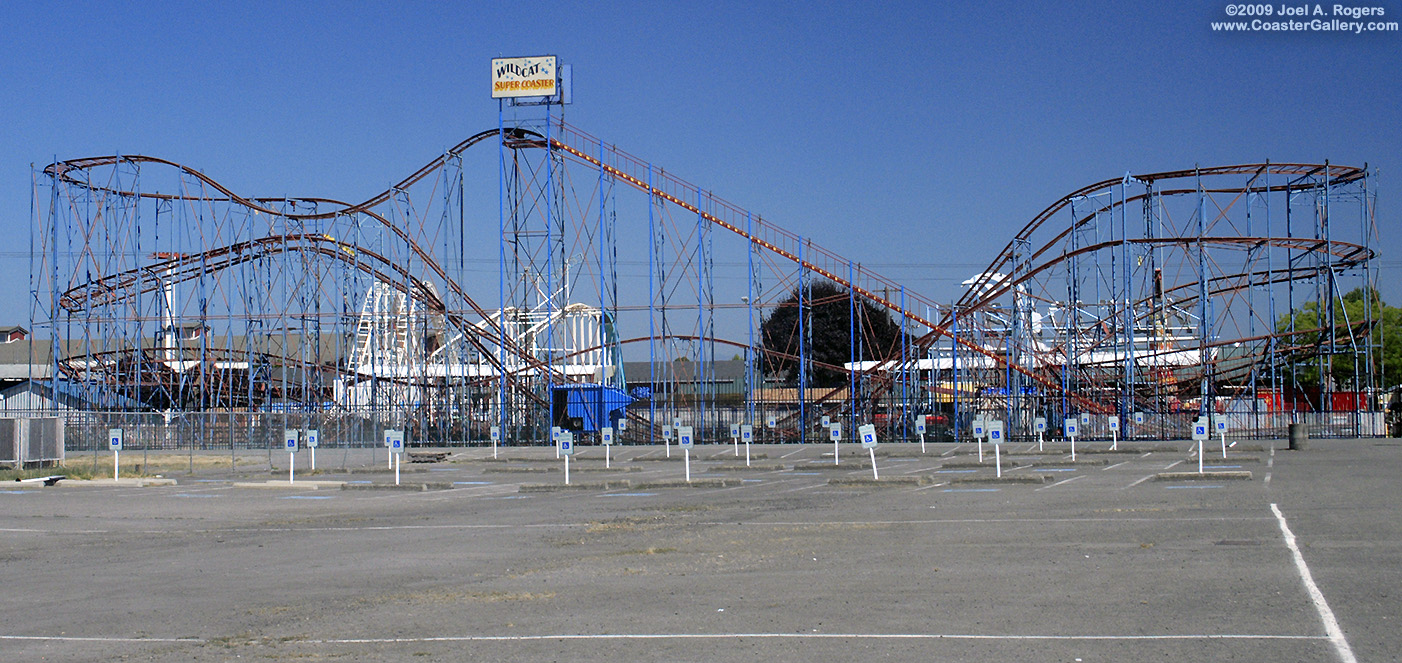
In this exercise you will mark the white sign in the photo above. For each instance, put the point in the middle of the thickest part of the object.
(684, 436)
(1071, 429)
(313, 436)
(920, 426)
(394, 439)
(979, 428)
(747, 432)
(995, 431)
(867, 432)
(771, 421)
(735, 430)
(1114, 422)
(827, 421)
(523, 77)
(555, 433)
(566, 443)
(1219, 423)
(677, 424)
(622, 425)
(1085, 418)
(1201, 431)
(114, 439)
(1139, 418)
(835, 432)
(1040, 424)
(666, 432)
(606, 435)
(289, 439)
(496, 433)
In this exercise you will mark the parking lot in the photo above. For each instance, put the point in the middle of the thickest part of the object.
(794, 557)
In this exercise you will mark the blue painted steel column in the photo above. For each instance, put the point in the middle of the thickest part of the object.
(652, 261)
(852, 349)
(802, 351)
(954, 362)
(750, 310)
(905, 375)
(501, 272)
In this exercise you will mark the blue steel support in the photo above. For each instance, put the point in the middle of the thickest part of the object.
(1204, 390)
(549, 199)
(653, 261)
(954, 362)
(1127, 388)
(852, 356)
(750, 386)
(905, 374)
(802, 346)
(502, 408)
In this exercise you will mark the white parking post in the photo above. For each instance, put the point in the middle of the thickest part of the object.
(496, 437)
(311, 435)
(748, 432)
(1040, 423)
(995, 436)
(735, 438)
(867, 433)
(606, 436)
(1219, 422)
(667, 439)
(394, 439)
(684, 439)
(835, 438)
(920, 429)
(555, 439)
(1200, 433)
(289, 442)
(1071, 429)
(114, 442)
(567, 449)
(979, 431)
(1114, 422)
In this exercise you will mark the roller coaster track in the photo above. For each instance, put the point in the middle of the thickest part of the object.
(802, 252)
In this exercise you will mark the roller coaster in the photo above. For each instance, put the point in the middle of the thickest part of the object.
(439, 306)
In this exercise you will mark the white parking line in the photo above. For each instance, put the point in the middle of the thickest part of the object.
(1331, 625)
(689, 636)
(1141, 480)
(1082, 476)
(1114, 466)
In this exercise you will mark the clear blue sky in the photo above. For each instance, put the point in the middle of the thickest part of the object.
(942, 129)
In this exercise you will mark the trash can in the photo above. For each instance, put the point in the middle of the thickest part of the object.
(1298, 435)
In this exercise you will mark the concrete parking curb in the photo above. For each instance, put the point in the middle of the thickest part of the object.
(887, 482)
(308, 484)
(1204, 476)
(1011, 478)
(128, 482)
(694, 483)
(416, 487)
(1095, 462)
(620, 484)
(968, 464)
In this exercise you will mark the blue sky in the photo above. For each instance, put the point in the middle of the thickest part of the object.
(938, 130)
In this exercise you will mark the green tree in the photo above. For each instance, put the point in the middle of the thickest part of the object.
(1312, 341)
(828, 321)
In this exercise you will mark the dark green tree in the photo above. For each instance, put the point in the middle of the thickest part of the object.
(1312, 341)
(827, 316)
